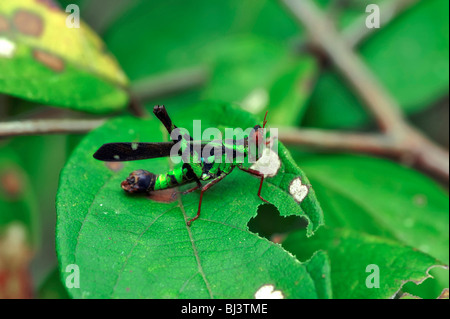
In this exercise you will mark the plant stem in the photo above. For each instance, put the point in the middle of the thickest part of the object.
(48, 126)
(156, 86)
(414, 152)
(326, 37)
(372, 143)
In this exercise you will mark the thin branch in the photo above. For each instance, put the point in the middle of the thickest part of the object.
(372, 143)
(156, 86)
(49, 126)
(376, 98)
(414, 153)
(325, 35)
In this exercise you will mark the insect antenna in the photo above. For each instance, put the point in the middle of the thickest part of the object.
(264, 124)
(265, 121)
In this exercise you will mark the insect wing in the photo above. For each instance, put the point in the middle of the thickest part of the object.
(121, 152)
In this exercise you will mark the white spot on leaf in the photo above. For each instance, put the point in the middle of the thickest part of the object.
(298, 190)
(268, 164)
(268, 292)
(7, 48)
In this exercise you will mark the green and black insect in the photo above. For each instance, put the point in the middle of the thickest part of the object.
(221, 160)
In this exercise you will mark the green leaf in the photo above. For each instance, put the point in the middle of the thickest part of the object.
(356, 258)
(134, 246)
(319, 268)
(410, 58)
(44, 61)
(382, 198)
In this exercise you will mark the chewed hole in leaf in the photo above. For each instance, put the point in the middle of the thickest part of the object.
(430, 288)
(268, 223)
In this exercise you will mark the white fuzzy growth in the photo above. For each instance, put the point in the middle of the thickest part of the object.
(7, 48)
(298, 190)
(268, 292)
(256, 101)
(268, 164)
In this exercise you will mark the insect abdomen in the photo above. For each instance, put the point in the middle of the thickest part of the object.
(140, 181)
(171, 179)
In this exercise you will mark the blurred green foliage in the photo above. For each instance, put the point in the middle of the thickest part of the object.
(255, 55)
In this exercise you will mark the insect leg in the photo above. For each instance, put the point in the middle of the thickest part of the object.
(199, 185)
(204, 189)
(256, 173)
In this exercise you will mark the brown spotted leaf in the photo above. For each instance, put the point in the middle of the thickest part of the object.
(44, 60)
